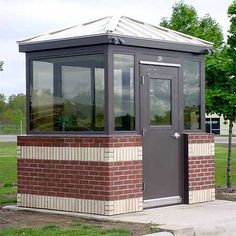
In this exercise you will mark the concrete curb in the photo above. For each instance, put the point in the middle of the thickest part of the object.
(166, 230)
(160, 234)
(177, 230)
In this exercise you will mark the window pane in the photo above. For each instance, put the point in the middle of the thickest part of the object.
(192, 105)
(78, 99)
(41, 97)
(124, 92)
(160, 102)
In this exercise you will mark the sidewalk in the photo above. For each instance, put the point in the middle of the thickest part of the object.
(8, 138)
(216, 218)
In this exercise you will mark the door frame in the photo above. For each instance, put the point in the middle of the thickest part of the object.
(167, 200)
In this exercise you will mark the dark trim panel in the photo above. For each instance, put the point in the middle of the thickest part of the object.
(64, 43)
(108, 39)
(185, 170)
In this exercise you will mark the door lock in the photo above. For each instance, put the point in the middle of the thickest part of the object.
(176, 135)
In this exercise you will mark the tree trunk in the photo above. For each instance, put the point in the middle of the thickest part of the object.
(229, 155)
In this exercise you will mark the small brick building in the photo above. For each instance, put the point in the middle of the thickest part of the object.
(115, 119)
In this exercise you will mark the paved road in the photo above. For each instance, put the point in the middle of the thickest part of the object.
(7, 138)
(220, 139)
(12, 138)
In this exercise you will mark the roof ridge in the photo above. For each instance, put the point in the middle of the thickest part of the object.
(112, 24)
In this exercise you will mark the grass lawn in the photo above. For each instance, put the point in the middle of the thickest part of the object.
(8, 194)
(89, 230)
(8, 169)
(221, 164)
(7, 173)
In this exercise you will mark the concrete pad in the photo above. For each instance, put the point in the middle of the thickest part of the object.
(177, 230)
(160, 234)
(216, 218)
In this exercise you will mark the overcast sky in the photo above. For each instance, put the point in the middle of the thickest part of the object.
(21, 19)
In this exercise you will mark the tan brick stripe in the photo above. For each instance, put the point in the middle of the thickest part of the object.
(80, 205)
(109, 154)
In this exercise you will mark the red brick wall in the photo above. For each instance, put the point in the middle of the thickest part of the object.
(200, 138)
(201, 171)
(80, 179)
(76, 141)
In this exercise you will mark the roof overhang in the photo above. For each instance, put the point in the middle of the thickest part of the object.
(110, 38)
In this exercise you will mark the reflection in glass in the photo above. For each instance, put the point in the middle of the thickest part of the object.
(41, 97)
(77, 101)
(124, 92)
(192, 105)
(160, 102)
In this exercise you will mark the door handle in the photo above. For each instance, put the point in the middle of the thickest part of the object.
(176, 135)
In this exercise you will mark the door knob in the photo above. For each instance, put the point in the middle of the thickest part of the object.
(176, 135)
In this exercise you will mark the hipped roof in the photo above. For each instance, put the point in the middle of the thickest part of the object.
(120, 26)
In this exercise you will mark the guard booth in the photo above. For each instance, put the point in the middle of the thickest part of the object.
(115, 119)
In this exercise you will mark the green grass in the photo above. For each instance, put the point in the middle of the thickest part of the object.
(51, 230)
(221, 164)
(7, 173)
(8, 169)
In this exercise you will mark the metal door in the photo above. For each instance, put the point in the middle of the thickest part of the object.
(161, 138)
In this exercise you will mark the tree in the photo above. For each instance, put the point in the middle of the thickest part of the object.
(220, 68)
(184, 19)
(2, 105)
(230, 113)
(17, 106)
(1, 65)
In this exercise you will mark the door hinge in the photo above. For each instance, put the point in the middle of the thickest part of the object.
(142, 80)
(143, 133)
(143, 186)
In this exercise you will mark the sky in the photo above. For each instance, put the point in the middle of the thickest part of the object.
(20, 19)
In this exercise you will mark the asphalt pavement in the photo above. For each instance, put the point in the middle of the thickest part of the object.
(8, 138)
(223, 139)
(12, 138)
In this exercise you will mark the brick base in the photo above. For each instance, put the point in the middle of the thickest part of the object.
(101, 175)
(104, 177)
(199, 157)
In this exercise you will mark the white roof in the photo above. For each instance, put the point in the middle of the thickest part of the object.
(121, 26)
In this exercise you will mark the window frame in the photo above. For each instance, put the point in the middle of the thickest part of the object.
(201, 63)
(113, 49)
(40, 55)
(126, 54)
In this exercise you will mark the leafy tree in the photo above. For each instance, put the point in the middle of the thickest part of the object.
(230, 112)
(184, 19)
(17, 106)
(220, 68)
(221, 96)
(1, 65)
(2, 104)
(12, 112)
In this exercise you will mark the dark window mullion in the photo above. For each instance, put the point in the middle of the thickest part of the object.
(93, 102)
(58, 106)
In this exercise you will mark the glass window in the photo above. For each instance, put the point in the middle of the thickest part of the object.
(192, 104)
(124, 92)
(41, 99)
(77, 100)
(160, 102)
